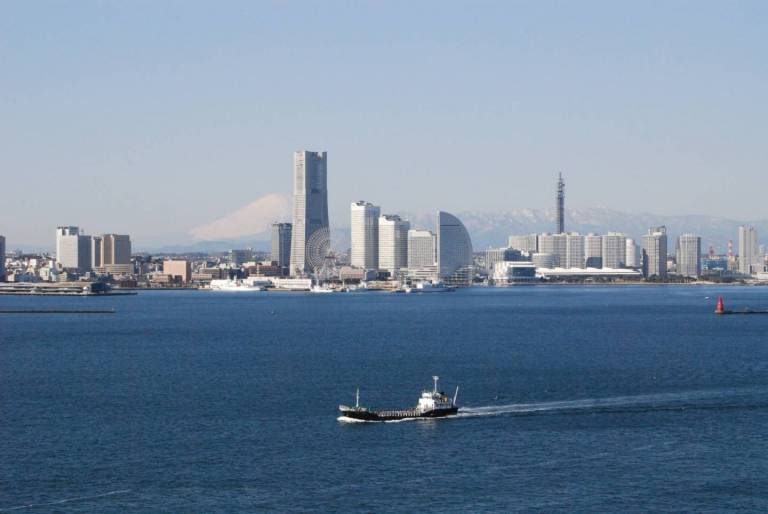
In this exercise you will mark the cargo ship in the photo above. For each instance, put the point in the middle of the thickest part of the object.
(432, 404)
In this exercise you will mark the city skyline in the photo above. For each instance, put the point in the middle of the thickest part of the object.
(171, 115)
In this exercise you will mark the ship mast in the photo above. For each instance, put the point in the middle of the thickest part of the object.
(435, 378)
(357, 398)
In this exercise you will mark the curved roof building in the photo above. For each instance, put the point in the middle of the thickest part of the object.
(454, 250)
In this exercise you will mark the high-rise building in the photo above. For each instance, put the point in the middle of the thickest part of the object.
(528, 243)
(73, 249)
(688, 256)
(454, 250)
(238, 257)
(96, 242)
(421, 249)
(560, 204)
(574, 251)
(632, 258)
(393, 243)
(593, 251)
(116, 254)
(281, 245)
(179, 270)
(557, 246)
(2, 258)
(747, 249)
(614, 250)
(364, 252)
(655, 252)
(310, 208)
(494, 255)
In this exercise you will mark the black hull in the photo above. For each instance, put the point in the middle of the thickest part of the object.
(366, 415)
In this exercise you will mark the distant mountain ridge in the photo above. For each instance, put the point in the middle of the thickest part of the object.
(492, 229)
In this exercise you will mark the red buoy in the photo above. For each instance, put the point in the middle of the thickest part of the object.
(720, 306)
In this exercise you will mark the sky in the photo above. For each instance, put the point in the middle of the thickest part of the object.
(160, 118)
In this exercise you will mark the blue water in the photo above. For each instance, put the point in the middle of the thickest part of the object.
(588, 399)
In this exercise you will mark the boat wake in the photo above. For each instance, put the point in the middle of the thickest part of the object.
(707, 399)
(65, 500)
(346, 419)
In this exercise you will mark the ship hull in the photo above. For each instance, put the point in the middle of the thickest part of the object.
(366, 415)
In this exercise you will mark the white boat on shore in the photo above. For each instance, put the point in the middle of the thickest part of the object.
(234, 285)
(428, 287)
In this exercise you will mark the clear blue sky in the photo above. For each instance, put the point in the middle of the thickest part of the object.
(151, 118)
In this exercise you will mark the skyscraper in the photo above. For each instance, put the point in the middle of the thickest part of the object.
(454, 250)
(655, 252)
(632, 260)
(393, 243)
(528, 243)
(96, 242)
(614, 250)
(574, 251)
(2, 258)
(689, 255)
(364, 252)
(281, 245)
(73, 249)
(116, 254)
(593, 251)
(555, 245)
(310, 206)
(560, 204)
(747, 249)
(421, 249)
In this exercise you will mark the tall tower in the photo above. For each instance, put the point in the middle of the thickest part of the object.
(310, 205)
(747, 249)
(281, 245)
(560, 204)
(364, 251)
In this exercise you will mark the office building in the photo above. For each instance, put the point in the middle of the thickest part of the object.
(528, 243)
(116, 254)
(281, 245)
(688, 256)
(574, 251)
(422, 246)
(593, 251)
(748, 260)
(543, 260)
(364, 252)
(655, 253)
(310, 207)
(239, 257)
(180, 271)
(560, 204)
(393, 243)
(614, 250)
(495, 255)
(73, 249)
(632, 257)
(512, 272)
(454, 251)
(95, 250)
(557, 246)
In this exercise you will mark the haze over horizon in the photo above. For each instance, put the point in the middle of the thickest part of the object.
(158, 120)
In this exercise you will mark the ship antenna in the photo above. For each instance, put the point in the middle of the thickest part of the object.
(435, 378)
(455, 395)
(357, 398)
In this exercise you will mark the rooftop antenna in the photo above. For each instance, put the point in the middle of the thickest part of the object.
(435, 378)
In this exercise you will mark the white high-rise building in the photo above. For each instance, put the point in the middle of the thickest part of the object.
(574, 251)
(422, 246)
(632, 254)
(96, 242)
(528, 243)
(310, 233)
(689, 255)
(655, 252)
(593, 251)
(393, 243)
(614, 250)
(73, 249)
(747, 250)
(454, 251)
(364, 252)
(555, 245)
